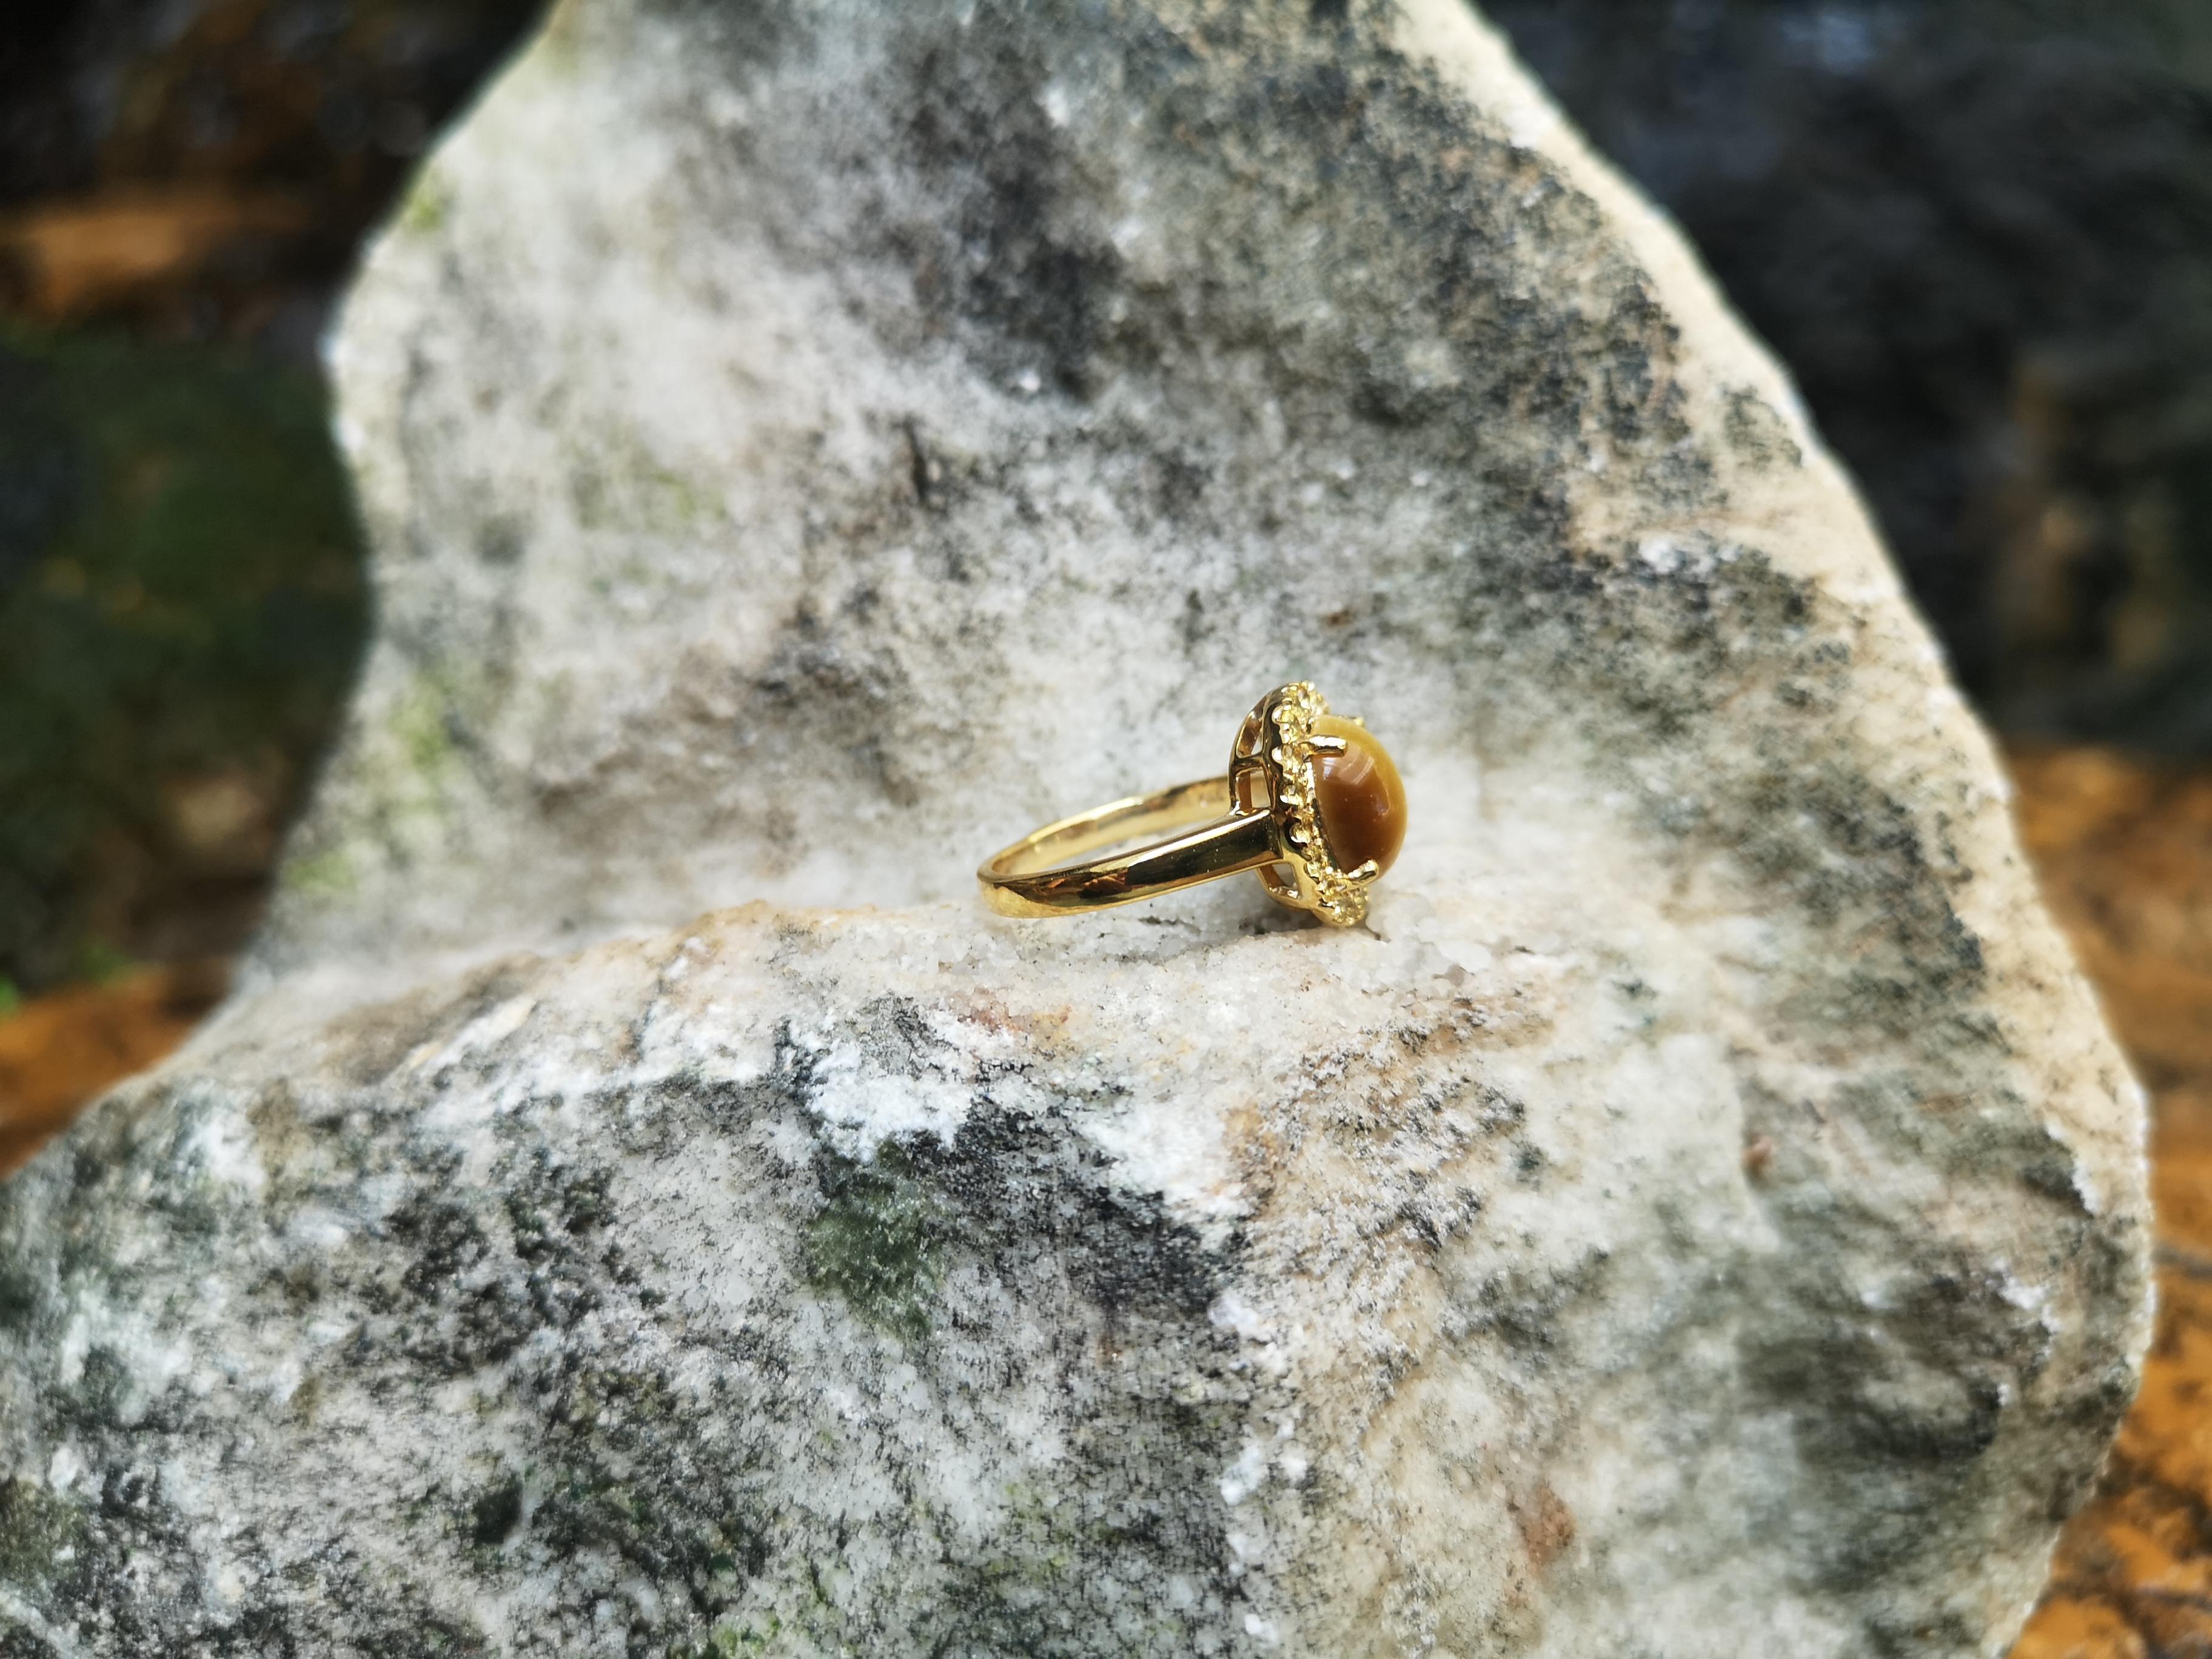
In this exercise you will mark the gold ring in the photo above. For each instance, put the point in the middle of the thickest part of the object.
(1312, 801)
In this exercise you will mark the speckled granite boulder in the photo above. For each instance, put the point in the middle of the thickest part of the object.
(641, 1204)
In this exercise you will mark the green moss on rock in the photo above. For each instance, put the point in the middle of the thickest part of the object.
(880, 1242)
(37, 1526)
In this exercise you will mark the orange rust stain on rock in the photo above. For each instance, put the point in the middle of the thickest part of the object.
(1547, 1526)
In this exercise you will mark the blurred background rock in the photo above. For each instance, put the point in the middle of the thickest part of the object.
(1978, 231)
(183, 187)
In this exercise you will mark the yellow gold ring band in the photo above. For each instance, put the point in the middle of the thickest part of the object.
(1311, 800)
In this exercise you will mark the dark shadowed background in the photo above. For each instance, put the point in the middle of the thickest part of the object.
(183, 187)
(1979, 232)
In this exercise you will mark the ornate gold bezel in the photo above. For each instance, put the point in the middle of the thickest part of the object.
(1274, 754)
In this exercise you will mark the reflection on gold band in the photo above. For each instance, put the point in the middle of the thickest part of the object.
(1033, 877)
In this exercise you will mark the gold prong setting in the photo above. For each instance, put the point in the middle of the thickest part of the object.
(1337, 897)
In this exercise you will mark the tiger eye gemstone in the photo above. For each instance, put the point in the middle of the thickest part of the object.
(1362, 803)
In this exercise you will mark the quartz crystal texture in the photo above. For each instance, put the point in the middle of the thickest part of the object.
(639, 1202)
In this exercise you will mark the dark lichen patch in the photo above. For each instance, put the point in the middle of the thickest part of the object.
(101, 1397)
(64, 1552)
(306, 1402)
(280, 1135)
(889, 1230)
(1901, 1398)
(490, 1517)
(674, 1536)
(833, 694)
(1789, 813)
(21, 1298)
(1524, 1306)
(889, 1226)
(1757, 432)
(381, 1620)
(1034, 275)
(475, 1273)
(630, 1475)
(415, 1287)
(442, 1241)
(553, 1207)
(467, 1299)
(39, 1531)
(1037, 1591)
(400, 1627)
(1329, 143)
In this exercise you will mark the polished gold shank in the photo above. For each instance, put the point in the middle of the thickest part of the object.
(1035, 877)
(1264, 815)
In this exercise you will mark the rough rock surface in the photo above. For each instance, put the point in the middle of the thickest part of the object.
(806, 445)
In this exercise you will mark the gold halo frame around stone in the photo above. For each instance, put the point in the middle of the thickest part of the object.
(1334, 789)
(1311, 800)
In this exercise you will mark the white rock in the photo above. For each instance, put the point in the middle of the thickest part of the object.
(806, 445)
